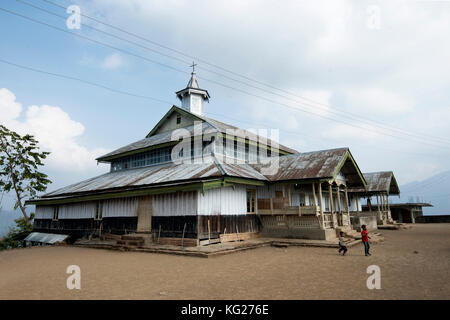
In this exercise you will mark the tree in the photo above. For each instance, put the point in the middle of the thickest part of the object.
(20, 160)
(16, 236)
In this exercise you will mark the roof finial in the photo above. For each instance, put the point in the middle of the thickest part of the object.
(193, 65)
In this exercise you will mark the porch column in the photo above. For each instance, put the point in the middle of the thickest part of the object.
(321, 205)
(330, 191)
(289, 194)
(314, 195)
(338, 193)
(347, 207)
(378, 202)
(388, 208)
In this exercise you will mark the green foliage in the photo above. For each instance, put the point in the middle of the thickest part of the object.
(20, 160)
(16, 234)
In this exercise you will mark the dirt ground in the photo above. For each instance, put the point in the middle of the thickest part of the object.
(414, 263)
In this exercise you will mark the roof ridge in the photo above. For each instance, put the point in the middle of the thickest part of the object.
(219, 165)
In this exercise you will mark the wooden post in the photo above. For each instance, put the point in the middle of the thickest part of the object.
(209, 232)
(182, 238)
(321, 205)
(347, 207)
(271, 205)
(289, 194)
(339, 199)
(314, 194)
(338, 193)
(330, 191)
(159, 233)
(378, 203)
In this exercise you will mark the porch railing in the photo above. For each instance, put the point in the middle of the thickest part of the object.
(280, 206)
(290, 222)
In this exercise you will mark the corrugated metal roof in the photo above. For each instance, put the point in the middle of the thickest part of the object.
(312, 165)
(154, 140)
(309, 165)
(49, 238)
(383, 181)
(210, 125)
(244, 134)
(158, 174)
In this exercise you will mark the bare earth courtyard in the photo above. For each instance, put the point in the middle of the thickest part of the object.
(415, 264)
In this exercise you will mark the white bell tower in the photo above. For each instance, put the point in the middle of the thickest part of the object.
(192, 97)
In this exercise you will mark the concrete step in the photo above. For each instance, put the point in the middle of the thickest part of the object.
(109, 236)
(208, 242)
(133, 237)
(135, 243)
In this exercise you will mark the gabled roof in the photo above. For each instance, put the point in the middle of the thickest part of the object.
(162, 138)
(323, 165)
(159, 174)
(383, 181)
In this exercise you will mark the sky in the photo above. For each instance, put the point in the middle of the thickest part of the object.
(373, 76)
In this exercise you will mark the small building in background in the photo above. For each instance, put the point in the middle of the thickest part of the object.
(380, 185)
(408, 212)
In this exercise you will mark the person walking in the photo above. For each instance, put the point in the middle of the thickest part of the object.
(365, 240)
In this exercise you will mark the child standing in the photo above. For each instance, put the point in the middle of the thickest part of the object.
(365, 240)
(342, 246)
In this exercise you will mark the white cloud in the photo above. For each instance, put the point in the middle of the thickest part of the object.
(378, 101)
(112, 61)
(55, 131)
(10, 108)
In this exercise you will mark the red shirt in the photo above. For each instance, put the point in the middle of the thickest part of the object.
(365, 237)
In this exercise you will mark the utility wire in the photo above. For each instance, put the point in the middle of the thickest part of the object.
(327, 107)
(67, 77)
(83, 81)
(210, 80)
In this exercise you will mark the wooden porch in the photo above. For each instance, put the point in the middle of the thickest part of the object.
(321, 213)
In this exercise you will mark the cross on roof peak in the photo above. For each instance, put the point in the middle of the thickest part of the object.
(193, 65)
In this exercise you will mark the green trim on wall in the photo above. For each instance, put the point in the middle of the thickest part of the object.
(252, 182)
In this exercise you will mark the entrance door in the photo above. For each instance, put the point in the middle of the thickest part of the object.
(145, 214)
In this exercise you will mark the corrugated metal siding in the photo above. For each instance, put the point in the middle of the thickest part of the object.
(175, 204)
(125, 207)
(82, 210)
(224, 201)
(44, 212)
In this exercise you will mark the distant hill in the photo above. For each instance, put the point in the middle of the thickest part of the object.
(7, 220)
(434, 190)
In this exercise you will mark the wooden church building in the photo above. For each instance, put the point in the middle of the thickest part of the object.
(194, 178)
